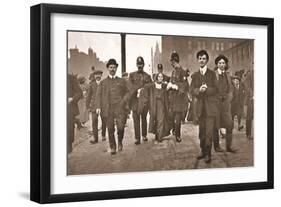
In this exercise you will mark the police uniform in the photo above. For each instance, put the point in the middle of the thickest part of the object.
(138, 80)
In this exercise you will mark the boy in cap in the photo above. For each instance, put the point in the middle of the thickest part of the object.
(91, 104)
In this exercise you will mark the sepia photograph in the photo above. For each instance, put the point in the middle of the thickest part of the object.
(154, 102)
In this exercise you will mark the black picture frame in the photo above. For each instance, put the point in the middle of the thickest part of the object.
(41, 102)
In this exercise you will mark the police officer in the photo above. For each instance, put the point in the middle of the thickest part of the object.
(177, 95)
(138, 80)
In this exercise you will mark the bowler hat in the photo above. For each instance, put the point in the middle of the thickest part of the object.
(236, 77)
(111, 62)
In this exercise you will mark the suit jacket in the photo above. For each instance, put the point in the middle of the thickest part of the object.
(230, 85)
(137, 80)
(207, 101)
(102, 96)
(91, 101)
(178, 98)
(73, 91)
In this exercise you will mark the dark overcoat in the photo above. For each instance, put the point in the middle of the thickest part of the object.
(137, 81)
(178, 98)
(207, 101)
(102, 96)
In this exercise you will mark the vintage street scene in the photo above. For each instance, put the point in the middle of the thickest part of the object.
(138, 103)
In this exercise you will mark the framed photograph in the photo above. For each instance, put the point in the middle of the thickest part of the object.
(133, 103)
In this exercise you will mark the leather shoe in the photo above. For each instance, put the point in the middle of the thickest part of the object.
(178, 139)
(137, 142)
(144, 139)
(93, 141)
(201, 156)
(113, 151)
(208, 159)
(218, 149)
(231, 150)
(103, 139)
(120, 146)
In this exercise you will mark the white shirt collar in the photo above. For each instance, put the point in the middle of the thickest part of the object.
(203, 70)
(110, 76)
(98, 82)
(158, 85)
(220, 71)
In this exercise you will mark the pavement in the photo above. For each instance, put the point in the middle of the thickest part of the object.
(87, 158)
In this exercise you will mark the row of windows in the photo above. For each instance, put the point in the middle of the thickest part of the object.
(215, 46)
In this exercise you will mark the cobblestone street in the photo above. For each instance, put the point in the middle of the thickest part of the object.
(150, 156)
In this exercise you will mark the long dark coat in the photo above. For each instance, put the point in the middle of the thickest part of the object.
(204, 102)
(178, 98)
(224, 118)
(102, 96)
(148, 99)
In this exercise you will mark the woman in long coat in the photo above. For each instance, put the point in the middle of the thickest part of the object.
(155, 96)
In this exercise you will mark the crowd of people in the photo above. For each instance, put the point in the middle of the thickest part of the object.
(212, 99)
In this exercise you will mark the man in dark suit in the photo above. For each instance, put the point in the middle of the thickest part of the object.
(138, 80)
(74, 94)
(112, 97)
(166, 79)
(204, 90)
(91, 104)
(224, 96)
(177, 95)
(237, 103)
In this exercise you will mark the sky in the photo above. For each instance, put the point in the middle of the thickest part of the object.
(108, 45)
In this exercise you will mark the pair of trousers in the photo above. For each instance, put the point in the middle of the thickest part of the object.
(115, 116)
(176, 123)
(206, 132)
(95, 118)
(70, 132)
(228, 138)
(137, 118)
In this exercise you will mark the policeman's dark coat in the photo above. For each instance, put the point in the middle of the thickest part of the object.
(136, 82)
(178, 98)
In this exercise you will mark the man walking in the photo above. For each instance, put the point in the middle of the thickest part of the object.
(138, 80)
(112, 96)
(203, 88)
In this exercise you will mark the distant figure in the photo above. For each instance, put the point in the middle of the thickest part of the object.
(237, 103)
(74, 93)
(84, 115)
(112, 97)
(155, 96)
(92, 75)
(91, 103)
(249, 92)
(138, 80)
(160, 69)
